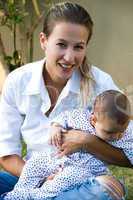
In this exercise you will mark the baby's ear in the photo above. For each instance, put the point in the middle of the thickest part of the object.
(93, 119)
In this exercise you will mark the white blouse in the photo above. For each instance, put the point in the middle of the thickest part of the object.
(25, 101)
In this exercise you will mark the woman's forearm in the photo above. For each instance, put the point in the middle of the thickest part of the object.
(13, 164)
(105, 151)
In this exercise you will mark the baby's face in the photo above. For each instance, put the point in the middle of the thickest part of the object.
(108, 130)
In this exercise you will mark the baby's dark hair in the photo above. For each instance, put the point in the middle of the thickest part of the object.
(114, 104)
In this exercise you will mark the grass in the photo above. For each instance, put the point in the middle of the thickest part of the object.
(127, 175)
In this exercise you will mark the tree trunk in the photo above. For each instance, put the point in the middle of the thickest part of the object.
(2, 55)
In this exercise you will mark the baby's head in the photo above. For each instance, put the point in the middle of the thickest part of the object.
(111, 115)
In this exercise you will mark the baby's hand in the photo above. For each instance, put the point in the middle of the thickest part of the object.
(56, 134)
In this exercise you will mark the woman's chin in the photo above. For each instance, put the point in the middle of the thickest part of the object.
(66, 74)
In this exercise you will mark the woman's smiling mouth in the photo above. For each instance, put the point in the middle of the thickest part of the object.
(65, 66)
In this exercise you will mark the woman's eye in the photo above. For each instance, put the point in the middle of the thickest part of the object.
(61, 44)
(79, 47)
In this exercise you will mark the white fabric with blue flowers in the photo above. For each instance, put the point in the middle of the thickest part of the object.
(76, 168)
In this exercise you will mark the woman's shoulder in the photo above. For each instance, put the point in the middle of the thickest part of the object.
(99, 73)
(25, 73)
(26, 69)
(23, 78)
(102, 79)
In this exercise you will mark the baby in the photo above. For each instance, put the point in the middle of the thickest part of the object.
(109, 121)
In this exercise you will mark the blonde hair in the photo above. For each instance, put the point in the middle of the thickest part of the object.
(87, 82)
(67, 12)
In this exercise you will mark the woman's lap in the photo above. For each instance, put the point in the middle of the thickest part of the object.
(86, 191)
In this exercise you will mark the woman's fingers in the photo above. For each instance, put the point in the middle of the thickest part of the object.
(62, 153)
(72, 141)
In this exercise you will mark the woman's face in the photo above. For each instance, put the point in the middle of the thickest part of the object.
(65, 49)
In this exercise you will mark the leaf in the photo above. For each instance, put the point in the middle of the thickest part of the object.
(8, 58)
(15, 55)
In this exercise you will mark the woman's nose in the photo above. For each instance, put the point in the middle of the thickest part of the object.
(69, 56)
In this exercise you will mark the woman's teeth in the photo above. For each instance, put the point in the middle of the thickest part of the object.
(66, 66)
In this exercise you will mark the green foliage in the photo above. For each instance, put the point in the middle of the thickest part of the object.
(14, 61)
(24, 148)
(22, 17)
(127, 176)
(12, 13)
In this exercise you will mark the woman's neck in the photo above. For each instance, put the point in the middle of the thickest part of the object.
(54, 89)
(53, 82)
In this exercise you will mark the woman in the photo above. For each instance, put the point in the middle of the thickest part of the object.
(35, 93)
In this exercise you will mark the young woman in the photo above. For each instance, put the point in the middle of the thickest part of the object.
(37, 92)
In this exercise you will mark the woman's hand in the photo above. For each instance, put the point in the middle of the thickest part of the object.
(72, 141)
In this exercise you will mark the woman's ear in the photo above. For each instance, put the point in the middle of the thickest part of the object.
(43, 40)
(93, 119)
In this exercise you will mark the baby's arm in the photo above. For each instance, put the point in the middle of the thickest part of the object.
(56, 134)
(58, 126)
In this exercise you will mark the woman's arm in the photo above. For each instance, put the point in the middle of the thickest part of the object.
(13, 164)
(75, 140)
(10, 128)
(105, 151)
